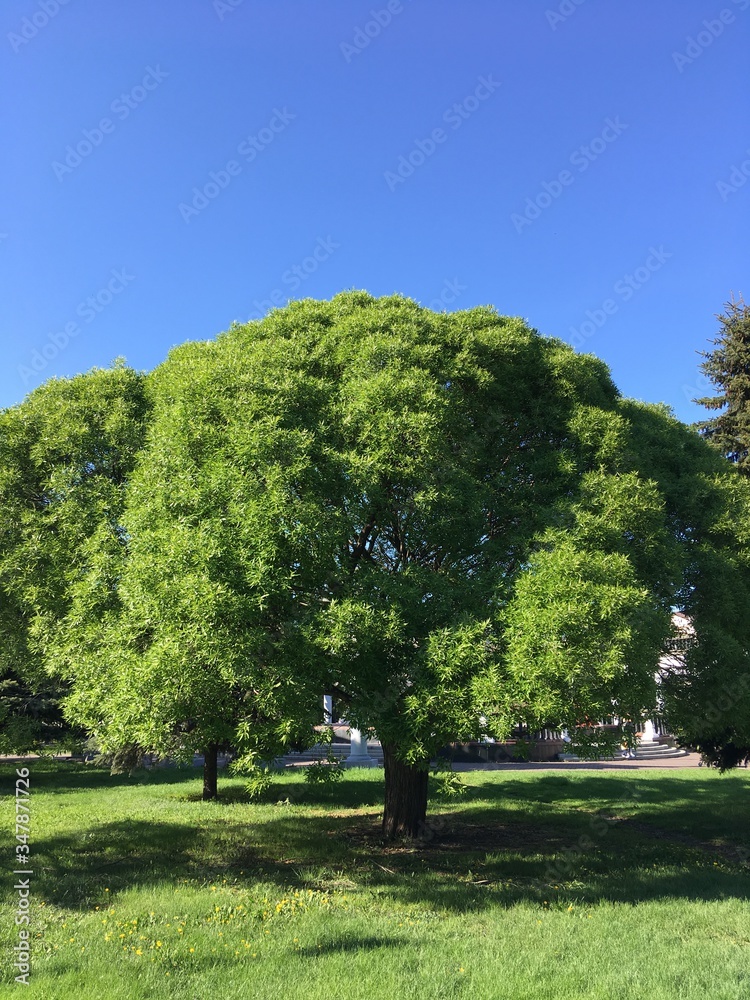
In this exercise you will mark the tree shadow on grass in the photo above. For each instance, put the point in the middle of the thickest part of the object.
(595, 838)
(61, 776)
(714, 807)
(467, 866)
(351, 794)
(75, 870)
(349, 944)
(591, 838)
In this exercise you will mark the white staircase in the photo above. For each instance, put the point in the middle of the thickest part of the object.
(644, 751)
(658, 751)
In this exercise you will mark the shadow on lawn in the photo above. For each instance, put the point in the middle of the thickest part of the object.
(350, 944)
(591, 838)
(77, 870)
(61, 776)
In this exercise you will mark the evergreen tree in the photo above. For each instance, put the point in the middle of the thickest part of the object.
(728, 368)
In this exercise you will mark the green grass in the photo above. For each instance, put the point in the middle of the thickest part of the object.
(534, 886)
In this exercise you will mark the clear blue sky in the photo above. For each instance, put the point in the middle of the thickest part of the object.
(578, 144)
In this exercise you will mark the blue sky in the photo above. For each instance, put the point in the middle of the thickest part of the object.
(171, 167)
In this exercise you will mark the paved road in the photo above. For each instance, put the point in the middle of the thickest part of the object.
(690, 760)
(668, 763)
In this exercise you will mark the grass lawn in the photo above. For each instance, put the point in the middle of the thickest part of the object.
(533, 886)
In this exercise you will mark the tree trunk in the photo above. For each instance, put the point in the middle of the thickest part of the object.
(210, 766)
(405, 813)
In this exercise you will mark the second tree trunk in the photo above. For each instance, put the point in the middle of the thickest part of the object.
(210, 765)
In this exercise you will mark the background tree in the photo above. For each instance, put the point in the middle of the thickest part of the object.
(181, 644)
(65, 454)
(718, 731)
(31, 716)
(728, 368)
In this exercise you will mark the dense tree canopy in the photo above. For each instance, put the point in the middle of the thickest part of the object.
(449, 522)
(707, 692)
(190, 650)
(65, 456)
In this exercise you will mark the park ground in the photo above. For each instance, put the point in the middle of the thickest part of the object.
(532, 885)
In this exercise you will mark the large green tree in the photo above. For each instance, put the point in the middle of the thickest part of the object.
(452, 524)
(449, 522)
(727, 367)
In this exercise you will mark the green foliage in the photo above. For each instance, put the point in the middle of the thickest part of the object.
(330, 769)
(581, 634)
(595, 743)
(190, 648)
(65, 455)
(720, 750)
(522, 749)
(728, 368)
(449, 522)
(324, 772)
(446, 782)
(31, 716)
(258, 774)
(258, 780)
(125, 759)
